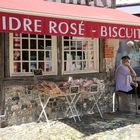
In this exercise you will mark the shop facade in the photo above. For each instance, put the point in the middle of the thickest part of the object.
(62, 45)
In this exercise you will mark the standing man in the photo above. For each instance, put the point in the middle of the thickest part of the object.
(124, 77)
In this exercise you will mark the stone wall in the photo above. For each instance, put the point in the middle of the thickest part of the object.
(23, 106)
(18, 105)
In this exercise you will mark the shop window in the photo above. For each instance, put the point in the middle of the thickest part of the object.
(29, 52)
(80, 55)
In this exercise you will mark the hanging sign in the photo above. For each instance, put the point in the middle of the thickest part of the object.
(17, 23)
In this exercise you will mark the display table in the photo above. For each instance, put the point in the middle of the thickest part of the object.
(71, 99)
(71, 94)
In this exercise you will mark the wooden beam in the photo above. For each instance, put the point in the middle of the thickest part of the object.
(2, 94)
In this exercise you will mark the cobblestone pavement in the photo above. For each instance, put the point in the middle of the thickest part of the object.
(114, 126)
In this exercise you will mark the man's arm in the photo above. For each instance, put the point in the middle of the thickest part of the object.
(134, 75)
(132, 72)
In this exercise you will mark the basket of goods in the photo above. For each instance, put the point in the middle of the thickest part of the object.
(64, 89)
(48, 88)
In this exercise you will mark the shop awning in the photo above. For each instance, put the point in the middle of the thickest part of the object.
(52, 18)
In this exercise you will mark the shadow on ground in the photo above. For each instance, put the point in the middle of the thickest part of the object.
(91, 124)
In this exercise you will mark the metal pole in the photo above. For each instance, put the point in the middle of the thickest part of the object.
(136, 100)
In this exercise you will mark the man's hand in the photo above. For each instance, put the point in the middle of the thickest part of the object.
(135, 84)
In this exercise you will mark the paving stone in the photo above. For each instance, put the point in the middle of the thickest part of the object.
(92, 127)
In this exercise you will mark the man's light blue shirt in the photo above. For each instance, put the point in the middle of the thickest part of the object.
(122, 79)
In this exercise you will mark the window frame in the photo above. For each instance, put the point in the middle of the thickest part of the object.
(96, 58)
(11, 50)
